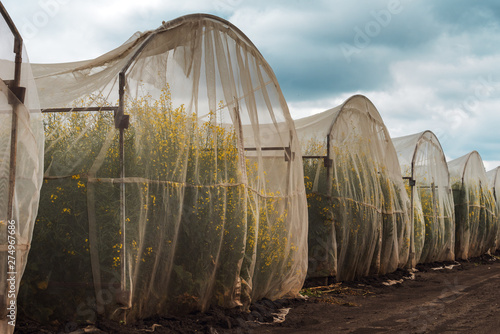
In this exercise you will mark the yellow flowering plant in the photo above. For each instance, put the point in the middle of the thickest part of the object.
(195, 234)
(360, 228)
(475, 218)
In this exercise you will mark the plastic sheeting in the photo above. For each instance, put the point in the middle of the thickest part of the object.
(422, 159)
(475, 217)
(17, 220)
(358, 222)
(494, 181)
(211, 208)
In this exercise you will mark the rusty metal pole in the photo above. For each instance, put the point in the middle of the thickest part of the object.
(15, 98)
(121, 123)
(328, 165)
(13, 141)
(15, 88)
(412, 260)
(122, 183)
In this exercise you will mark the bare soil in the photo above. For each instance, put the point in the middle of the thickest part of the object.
(461, 297)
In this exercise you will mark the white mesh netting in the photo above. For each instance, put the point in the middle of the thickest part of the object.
(494, 181)
(358, 222)
(18, 208)
(476, 224)
(188, 190)
(207, 206)
(422, 159)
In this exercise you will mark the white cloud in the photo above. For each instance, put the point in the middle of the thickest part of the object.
(307, 108)
(491, 164)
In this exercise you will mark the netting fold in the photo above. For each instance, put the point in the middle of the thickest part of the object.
(494, 182)
(475, 215)
(358, 221)
(21, 163)
(422, 159)
(199, 202)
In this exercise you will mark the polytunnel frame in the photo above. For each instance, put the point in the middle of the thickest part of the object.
(469, 155)
(467, 163)
(19, 93)
(496, 196)
(328, 163)
(412, 184)
(462, 179)
(122, 122)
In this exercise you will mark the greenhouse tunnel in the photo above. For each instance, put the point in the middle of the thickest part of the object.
(162, 193)
(21, 145)
(476, 224)
(494, 179)
(423, 165)
(357, 203)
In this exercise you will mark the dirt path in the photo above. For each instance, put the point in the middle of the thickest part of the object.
(465, 299)
(462, 299)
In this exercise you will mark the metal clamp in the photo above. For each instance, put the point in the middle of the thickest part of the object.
(411, 181)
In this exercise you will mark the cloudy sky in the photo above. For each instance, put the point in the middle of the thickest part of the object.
(426, 65)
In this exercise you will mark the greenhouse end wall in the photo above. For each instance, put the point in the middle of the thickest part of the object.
(422, 160)
(475, 212)
(198, 201)
(494, 181)
(358, 222)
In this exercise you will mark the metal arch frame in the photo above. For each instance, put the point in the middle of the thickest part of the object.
(18, 91)
(122, 122)
(328, 161)
(15, 98)
(412, 183)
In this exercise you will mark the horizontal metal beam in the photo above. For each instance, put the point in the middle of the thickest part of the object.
(314, 156)
(79, 109)
(266, 148)
(411, 181)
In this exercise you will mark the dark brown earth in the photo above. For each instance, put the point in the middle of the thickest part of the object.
(463, 299)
